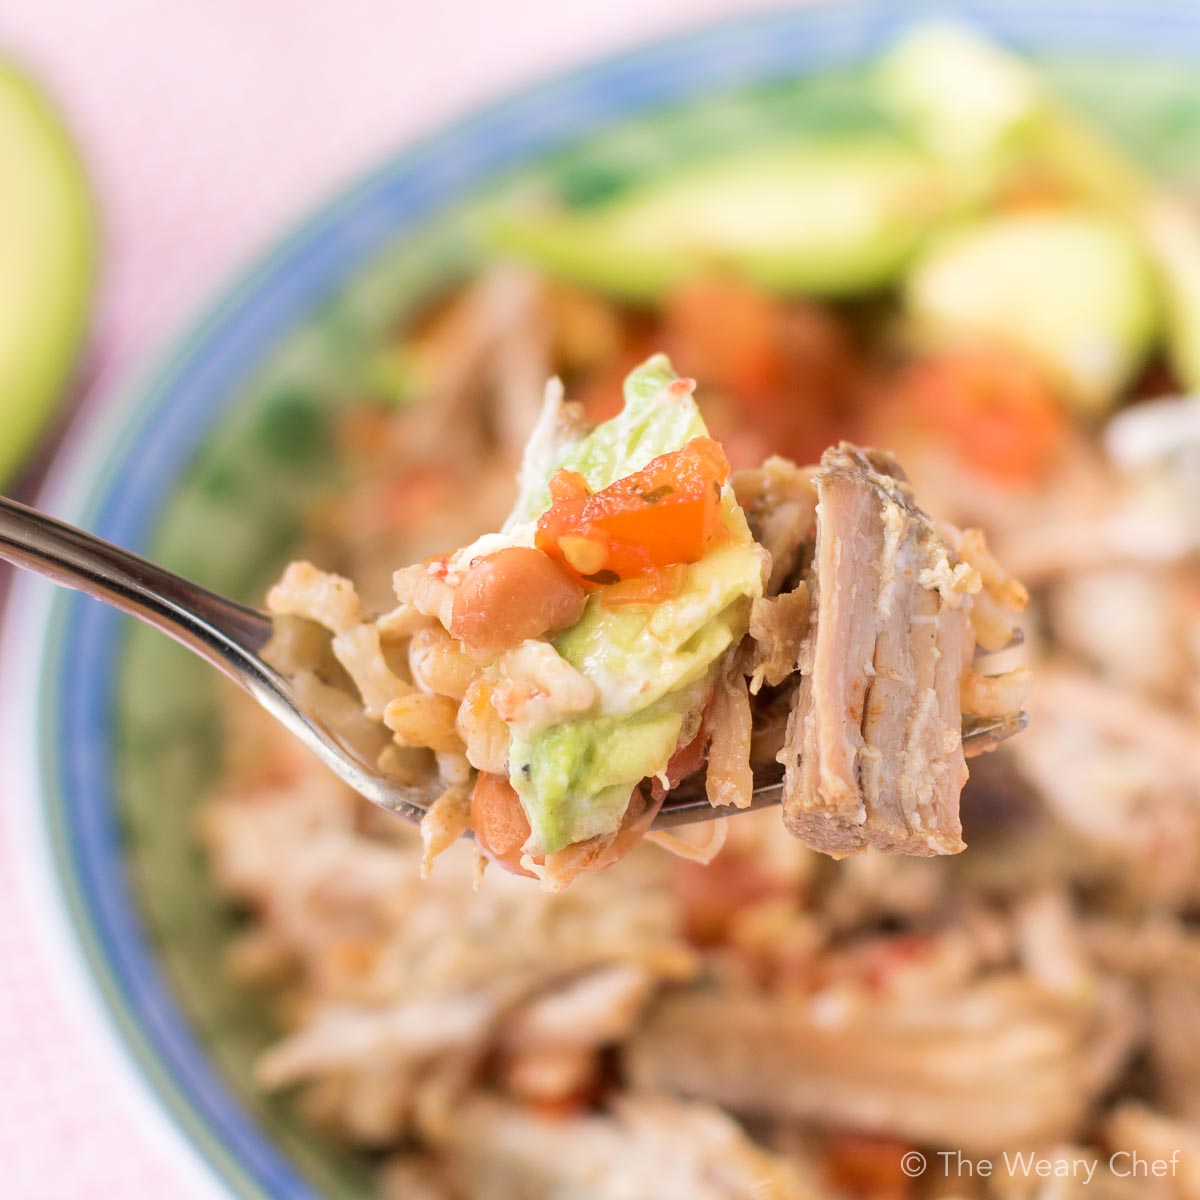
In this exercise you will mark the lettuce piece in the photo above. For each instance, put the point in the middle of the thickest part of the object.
(648, 425)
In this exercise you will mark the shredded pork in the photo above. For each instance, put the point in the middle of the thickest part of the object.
(874, 753)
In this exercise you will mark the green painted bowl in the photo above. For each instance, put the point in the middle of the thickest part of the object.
(207, 465)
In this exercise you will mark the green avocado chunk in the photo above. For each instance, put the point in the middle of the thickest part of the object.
(978, 106)
(653, 664)
(974, 104)
(1070, 288)
(963, 96)
(46, 253)
(829, 219)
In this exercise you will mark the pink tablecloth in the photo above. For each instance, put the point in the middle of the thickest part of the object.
(208, 124)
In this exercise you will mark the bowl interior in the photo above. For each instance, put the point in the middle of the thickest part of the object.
(226, 507)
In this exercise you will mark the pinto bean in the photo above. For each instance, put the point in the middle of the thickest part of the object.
(512, 595)
(500, 825)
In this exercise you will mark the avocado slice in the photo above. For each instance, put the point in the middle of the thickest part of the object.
(974, 104)
(1068, 287)
(827, 219)
(46, 258)
(994, 94)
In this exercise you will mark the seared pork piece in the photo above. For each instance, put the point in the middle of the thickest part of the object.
(1122, 772)
(982, 1065)
(1160, 956)
(780, 504)
(874, 755)
(778, 625)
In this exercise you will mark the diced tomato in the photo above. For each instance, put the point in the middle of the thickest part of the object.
(869, 1166)
(686, 760)
(779, 376)
(881, 962)
(662, 583)
(570, 1105)
(567, 487)
(991, 408)
(727, 333)
(663, 515)
(712, 897)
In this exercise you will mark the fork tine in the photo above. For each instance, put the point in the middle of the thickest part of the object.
(689, 804)
(981, 734)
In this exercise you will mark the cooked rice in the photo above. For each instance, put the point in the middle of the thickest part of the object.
(317, 596)
(359, 650)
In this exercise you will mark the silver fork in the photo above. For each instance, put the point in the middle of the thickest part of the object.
(231, 637)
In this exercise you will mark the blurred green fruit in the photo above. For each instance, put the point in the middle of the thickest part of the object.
(46, 256)
(837, 218)
(1070, 287)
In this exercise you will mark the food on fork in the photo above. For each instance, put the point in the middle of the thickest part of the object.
(623, 629)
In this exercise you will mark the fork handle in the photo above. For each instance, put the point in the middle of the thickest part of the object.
(219, 629)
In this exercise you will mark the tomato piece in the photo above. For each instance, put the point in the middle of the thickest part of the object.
(991, 408)
(779, 376)
(882, 962)
(712, 897)
(663, 515)
(867, 1165)
(687, 760)
(662, 583)
(570, 1105)
(727, 332)
(568, 486)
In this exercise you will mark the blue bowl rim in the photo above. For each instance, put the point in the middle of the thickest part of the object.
(123, 458)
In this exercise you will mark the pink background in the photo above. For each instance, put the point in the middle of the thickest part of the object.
(208, 125)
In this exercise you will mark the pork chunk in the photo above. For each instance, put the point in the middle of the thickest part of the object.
(873, 755)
